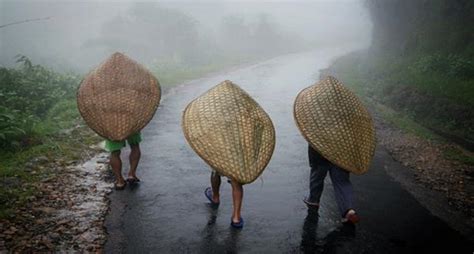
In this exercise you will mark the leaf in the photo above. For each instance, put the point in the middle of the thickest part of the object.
(9, 116)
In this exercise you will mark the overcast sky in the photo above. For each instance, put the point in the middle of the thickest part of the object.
(74, 22)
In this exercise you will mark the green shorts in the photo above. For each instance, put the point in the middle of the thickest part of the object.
(113, 146)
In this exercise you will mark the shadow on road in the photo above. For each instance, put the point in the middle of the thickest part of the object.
(210, 241)
(331, 242)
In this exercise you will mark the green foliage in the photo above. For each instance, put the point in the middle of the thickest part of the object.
(459, 155)
(62, 114)
(405, 27)
(27, 94)
(403, 121)
(452, 65)
(13, 126)
(381, 76)
(416, 93)
(37, 108)
(457, 90)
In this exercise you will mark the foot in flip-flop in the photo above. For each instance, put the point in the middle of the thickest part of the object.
(133, 180)
(120, 186)
(208, 194)
(238, 225)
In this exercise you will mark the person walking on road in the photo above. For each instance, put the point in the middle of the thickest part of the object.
(341, 137)
(234, 135)
(342, 186)
(117, 100)
(212, 193)
(115, 147)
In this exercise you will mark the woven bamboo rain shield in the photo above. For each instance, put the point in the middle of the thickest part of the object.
(336, 124)
(118, 98)
(230, 131)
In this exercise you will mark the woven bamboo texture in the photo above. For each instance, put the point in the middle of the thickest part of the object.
(230, 131)
(118, 98)
(336, 123)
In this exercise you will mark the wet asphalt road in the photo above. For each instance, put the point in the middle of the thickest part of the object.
(168, 213)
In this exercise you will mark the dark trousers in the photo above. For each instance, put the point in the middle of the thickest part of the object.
(339, 178)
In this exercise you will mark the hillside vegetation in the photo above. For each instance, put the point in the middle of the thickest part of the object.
(420, 64)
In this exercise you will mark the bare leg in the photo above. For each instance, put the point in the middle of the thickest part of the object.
(215, 184)
(134, 158)
(116, 164)
(237, 196)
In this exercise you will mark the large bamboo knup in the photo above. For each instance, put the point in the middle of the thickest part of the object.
(230, 131)
(336, 124)
(118, 98)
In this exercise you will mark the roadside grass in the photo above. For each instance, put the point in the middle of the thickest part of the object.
(17, 177)
(60, 136)
(440, 85)
(404, 122)
(376, 74)
(459, 155)
(370, 79)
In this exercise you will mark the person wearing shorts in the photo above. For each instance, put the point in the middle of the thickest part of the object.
(115, 147)
(212, 194)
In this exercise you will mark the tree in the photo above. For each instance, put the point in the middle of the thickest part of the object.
(148, 32)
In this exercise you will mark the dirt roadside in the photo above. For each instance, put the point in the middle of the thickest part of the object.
(67, 212)
(443, 186)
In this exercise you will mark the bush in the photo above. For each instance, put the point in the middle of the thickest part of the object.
(10, 128)
(453, 65)
(27, 95)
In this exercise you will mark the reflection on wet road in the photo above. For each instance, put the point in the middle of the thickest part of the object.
(168, 212)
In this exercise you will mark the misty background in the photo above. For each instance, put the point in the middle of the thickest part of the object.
(80, 34)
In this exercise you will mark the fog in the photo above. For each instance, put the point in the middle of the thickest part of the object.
(76, 35)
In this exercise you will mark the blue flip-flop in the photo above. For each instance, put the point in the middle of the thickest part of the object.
(208, 194)
(238, 225)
